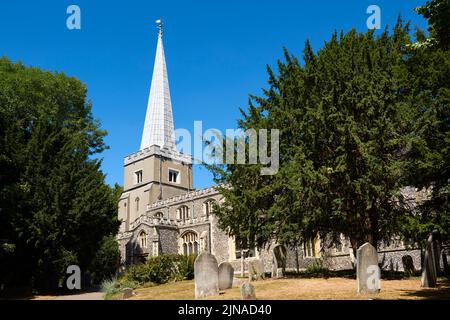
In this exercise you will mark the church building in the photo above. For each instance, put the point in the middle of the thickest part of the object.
(162, 213)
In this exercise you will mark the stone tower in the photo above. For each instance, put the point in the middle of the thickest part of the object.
(157, 171)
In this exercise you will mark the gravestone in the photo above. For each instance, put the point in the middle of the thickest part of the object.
(367, 269)
(408, 265)
(127, 293)
(255, 269)
(279, 261)
(206, 276)
(429, 272)
(248, 291)
(436, 251)
(445, 263)
(226, 275)
(279, 273)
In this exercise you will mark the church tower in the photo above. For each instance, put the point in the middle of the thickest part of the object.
(157, 171)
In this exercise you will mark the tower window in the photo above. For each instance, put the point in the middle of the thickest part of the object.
(138, 176)
(174, 176)
(183, 213)
(208, 207)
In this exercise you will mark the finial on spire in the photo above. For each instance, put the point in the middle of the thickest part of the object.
(159, 24)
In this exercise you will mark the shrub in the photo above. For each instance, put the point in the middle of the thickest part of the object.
(317, 269)
(110, 287)
(113, 287)
(126, 283)
(161, 269)
(186, 267)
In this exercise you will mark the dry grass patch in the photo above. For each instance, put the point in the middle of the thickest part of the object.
(303, 289)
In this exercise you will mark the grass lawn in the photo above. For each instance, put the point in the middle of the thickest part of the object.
(303, 289)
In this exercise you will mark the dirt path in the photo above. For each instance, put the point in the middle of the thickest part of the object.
(80, 296)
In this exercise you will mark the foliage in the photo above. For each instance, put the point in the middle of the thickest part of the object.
(106, 260)
(359, 120)
(55, 208)
(317, 269)
(185, 267)
(437, 12)
(161, 269)
(429, 165)
(110, 287)
(343, 125)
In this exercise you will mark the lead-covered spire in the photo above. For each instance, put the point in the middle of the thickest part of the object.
(158, 126)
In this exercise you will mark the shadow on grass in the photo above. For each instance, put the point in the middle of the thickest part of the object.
(441, 292)
(347, 274)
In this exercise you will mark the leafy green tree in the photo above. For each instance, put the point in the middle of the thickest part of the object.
(429, 166)
(345, 129)
(437, 12)
(106, 261)
(56, 209)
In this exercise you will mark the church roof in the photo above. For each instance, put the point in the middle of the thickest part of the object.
(158, 126)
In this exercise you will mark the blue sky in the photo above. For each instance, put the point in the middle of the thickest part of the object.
(216, 54)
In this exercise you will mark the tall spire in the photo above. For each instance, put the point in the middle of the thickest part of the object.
(158, 126)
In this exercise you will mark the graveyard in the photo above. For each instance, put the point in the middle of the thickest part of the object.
(367, 281)
(304, 289)
(329, 178)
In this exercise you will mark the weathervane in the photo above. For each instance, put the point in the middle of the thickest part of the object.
(159, 24)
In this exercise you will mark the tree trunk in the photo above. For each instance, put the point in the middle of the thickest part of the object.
(355, 245)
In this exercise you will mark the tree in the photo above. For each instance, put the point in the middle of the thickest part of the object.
(429, 165)
(345, 129)
(56, 208)
(437, 13)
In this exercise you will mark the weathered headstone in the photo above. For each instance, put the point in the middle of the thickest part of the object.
(367, 269)
(279, 261)
(248, 291)
(436, 251)
(206, 275)
(429, 272)
(280, 273)
(408, 265)
(127, 293)
(445, 263)
(255, 269)
(226, 274)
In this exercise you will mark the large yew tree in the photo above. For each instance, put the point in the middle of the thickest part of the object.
(55, 208)
(352, 120)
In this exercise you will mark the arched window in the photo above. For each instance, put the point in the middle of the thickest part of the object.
(190, 243)
(311, 247)
(159, 215)
(143, 239)
(183, 213)
(137, 203)
(208, 207)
